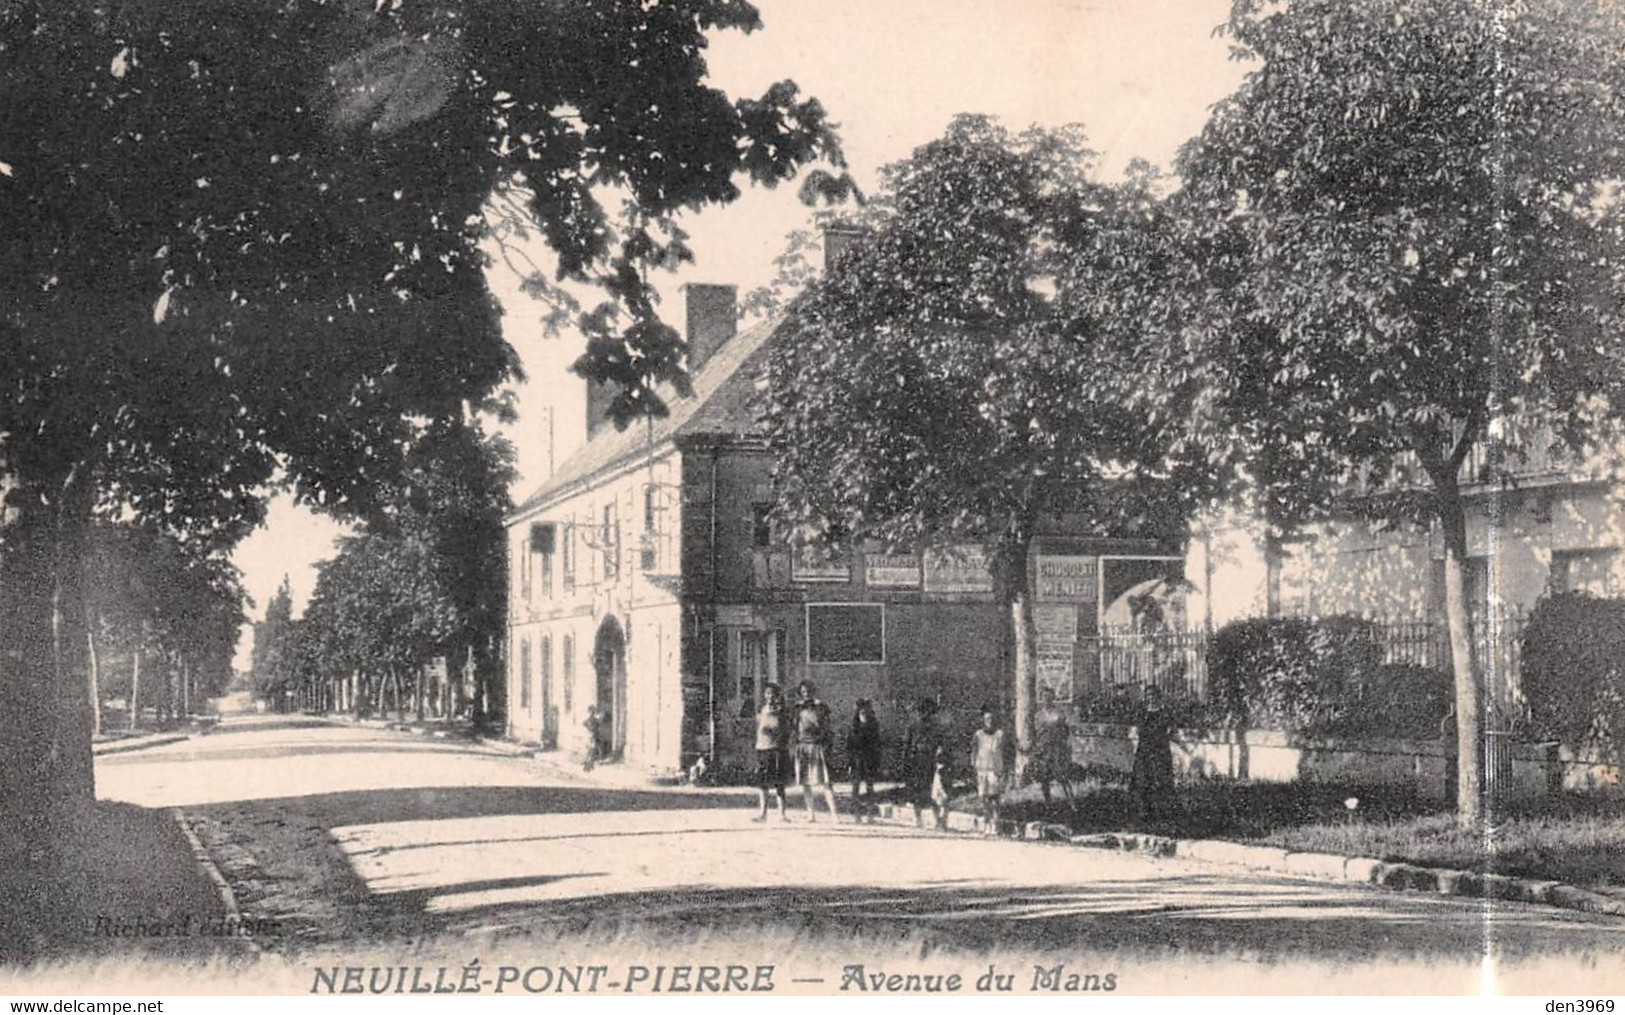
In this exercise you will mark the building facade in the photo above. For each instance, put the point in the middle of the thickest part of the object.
(648, 579)
(1555, 524)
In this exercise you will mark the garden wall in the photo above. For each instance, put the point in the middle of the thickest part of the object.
(1531, 770)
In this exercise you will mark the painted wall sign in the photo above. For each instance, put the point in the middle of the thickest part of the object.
(891, 570)
(1068, 579)
(734, 615)
(1056, 627)
(962, 569)
(815, 564)
(1055, 675)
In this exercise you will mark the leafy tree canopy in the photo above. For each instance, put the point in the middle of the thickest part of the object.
(1406, 230)
(246, 234)
(964, 369)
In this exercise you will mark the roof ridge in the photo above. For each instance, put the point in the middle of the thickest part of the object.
(612, 446)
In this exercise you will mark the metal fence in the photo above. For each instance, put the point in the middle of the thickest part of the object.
(1126, 662)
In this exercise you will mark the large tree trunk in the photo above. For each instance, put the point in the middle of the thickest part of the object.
(417, 692)
(94, 674)
(1023, 651)
(46, 764)
(1469, 691)
(135, 691)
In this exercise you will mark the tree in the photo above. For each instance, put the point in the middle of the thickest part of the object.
(454, 499)
(381, 598)
(151, 595)
(268, 659)
(248, 238)
(964, 370)
(1405, 237)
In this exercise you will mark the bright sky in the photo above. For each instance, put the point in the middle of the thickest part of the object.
(1139, 74)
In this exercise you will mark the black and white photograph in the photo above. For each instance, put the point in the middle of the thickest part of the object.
(860, 498)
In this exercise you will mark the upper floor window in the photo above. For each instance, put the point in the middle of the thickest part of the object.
(567, 558)
(761, 525)
(609, 537)
(542, 542)
(522, 565)
(649, 548)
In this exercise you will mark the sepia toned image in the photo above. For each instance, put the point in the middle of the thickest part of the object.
(557, 498)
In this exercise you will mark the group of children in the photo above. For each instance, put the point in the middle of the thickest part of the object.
(803, 733)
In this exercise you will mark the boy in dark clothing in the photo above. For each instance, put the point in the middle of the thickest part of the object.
(595, 732)
(923, 754)
(863, 747)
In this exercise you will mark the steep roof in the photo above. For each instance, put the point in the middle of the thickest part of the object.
(722, 405)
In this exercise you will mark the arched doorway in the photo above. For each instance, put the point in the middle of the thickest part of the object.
(609, 665)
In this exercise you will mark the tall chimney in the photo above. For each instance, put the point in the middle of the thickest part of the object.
(599, 395)
(838, 240)
(712, 320)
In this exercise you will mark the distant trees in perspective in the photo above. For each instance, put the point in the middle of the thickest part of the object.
(423, 584)
(162, 622)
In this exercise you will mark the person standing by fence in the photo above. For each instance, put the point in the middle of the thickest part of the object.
(922, 754)
(1151, 784)
(1052, 754)
(987, 758)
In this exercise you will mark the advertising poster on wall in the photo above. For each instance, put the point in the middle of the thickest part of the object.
(812, 563)
(1068, 578)
(957, 569)
(891, 570)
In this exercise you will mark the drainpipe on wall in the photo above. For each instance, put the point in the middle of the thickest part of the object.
(711, 640)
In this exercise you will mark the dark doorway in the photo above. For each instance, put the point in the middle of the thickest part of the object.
(609, 664)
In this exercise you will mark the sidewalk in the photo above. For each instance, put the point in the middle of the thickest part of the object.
(123, 881)
(123, 744)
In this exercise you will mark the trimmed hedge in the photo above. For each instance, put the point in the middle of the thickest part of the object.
(1573, 672)
(1321, 678)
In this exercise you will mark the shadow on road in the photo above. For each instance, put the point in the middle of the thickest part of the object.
(1205, 916)
(437, 803)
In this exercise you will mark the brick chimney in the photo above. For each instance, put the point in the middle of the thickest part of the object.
(599, 395)
(713, 319)
(837, 241)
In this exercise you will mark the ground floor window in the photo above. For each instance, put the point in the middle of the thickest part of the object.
(1588, 570)
(524, 673)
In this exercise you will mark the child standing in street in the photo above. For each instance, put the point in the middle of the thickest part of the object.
(772, 754)
(812, 750)
(987, 757)
(863, 748)
(922, 766)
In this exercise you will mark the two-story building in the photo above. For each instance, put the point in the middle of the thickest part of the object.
(1548, 522)
(648, 579)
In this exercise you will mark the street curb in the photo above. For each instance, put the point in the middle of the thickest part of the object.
(1363, 870)
(140, 743)
(228, 898)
